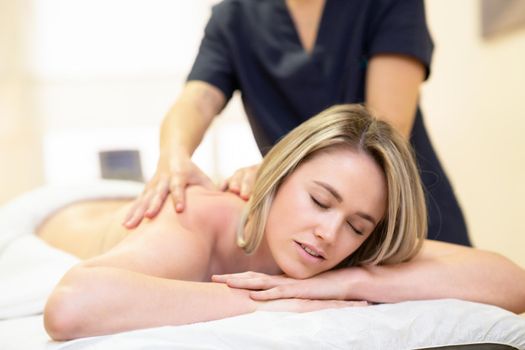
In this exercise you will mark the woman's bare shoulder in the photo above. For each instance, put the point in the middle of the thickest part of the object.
(212, 210)
(175, 245)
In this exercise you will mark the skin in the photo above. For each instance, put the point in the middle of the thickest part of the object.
(306, 16)
(181, 132)
(160, 273)
(440, 270)
(168, 262)
(392, 91)
(320, 208)
(130, 272)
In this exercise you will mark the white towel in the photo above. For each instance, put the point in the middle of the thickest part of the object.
(407, 325)
(29, 268)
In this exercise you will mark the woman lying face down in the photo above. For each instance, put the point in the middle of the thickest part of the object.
(322, 196)
(341, 190)
(342, 186)
(324, 211)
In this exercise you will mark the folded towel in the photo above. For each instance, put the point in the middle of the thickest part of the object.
(29, 268)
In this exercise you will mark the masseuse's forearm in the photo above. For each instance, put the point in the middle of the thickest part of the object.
(93, 301)
(188, 119)
(392, 89)
(466, 274)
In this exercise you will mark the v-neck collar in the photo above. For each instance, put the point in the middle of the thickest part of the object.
(294, 33)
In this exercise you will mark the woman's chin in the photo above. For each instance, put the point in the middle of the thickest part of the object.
(297, 272)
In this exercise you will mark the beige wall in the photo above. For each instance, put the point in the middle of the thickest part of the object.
(20, 157)
(471, 102)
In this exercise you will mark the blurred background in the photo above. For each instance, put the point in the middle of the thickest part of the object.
(81, 81)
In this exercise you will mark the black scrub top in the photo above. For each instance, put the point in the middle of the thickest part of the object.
(253, 46)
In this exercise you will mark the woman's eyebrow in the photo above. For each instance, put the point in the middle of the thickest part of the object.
(339, 198)
(330, 189)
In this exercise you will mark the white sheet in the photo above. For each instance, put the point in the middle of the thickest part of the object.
(396, 326)
(408, 325)
(29, 269)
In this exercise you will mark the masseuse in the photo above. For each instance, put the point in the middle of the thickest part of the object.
(290, 59)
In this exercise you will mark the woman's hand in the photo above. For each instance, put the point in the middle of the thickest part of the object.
(174, 179)
(330, 285)
(241, 182)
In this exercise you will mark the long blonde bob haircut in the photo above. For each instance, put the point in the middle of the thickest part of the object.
(400, 233)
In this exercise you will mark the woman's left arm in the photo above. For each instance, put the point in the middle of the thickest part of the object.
(443, 270)
(392, 89)
(440, 270)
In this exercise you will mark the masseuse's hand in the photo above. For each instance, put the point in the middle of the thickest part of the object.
(328, 285)
(173, 178)
(241, 182)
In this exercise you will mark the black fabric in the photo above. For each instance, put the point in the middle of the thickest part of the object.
(253, 46)
(445, 219)
(484, 346)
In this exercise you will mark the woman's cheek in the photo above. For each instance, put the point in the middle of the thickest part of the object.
(348, 248)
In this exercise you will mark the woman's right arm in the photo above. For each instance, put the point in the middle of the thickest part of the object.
(101, 300)
(181, 132)
(148, 280)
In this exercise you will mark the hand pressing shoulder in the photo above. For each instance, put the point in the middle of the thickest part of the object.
(212, 211)
(177, 245)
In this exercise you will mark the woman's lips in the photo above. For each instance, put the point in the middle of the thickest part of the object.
(311, 251)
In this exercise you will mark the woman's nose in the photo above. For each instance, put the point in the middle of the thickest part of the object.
(325, 235)
(327, 231)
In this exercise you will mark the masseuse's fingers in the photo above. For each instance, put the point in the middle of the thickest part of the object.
(190, 175)
(138, 208)
(182, 173)
(146, 205)
(177, 188)
(233, 184)
(161, 192)
(241, 182)
(248, 181)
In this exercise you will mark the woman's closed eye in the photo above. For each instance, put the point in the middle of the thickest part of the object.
(360, 233)
(322, 205)
(319, 203)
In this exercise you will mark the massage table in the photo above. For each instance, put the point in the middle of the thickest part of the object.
(29, 269)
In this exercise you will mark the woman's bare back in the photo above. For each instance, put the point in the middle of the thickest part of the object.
(93, 229)
(85, 229)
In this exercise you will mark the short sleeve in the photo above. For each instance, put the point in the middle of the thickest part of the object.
(213, 63)
(400, 27)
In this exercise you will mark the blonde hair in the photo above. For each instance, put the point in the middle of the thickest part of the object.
(400, 233)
